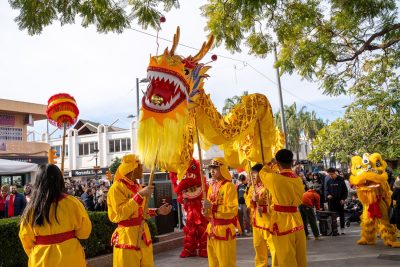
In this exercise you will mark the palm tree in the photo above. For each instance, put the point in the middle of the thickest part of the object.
(231, 102)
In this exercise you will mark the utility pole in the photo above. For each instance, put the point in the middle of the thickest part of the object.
(137, 98)
(283, 122)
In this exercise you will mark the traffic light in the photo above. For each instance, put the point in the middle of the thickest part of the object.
(52, 156)
(109, 175)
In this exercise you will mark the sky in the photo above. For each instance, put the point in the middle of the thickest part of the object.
(100, 70)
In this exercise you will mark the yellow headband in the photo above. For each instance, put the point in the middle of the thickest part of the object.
(223, 167)
(128, 164)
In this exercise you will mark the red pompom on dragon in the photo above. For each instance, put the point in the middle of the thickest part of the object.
(175, 108)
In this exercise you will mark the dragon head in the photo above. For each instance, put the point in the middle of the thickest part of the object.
(165, 126)
(190, 184)
(172, 78)
(368, 174)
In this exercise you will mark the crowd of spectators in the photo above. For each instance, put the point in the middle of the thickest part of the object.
(93, 195)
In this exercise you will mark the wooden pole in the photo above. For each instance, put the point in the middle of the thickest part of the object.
(63, 148)
(261, 141)
(203, 186)
(146, 202)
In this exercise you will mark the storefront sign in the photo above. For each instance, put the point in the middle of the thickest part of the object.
(7, 120)
(37, 160)
(88, 172)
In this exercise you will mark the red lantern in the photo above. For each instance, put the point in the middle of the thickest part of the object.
(62, 110)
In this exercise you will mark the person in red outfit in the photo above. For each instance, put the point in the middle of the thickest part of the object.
(3, 198)
(310, 200)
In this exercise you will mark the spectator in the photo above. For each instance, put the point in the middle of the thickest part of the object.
(78, 190)
(310, 200)
(87, 198)
(3, 197)
(337, 194)
(15, 203)
(396, 196)
(28, 192)
(101, 204)
(244, 219)
(354, 208)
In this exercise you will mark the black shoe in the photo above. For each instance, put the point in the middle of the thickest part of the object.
(343, 233)
(335, 234)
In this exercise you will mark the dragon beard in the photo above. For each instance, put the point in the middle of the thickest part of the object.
(162, 138)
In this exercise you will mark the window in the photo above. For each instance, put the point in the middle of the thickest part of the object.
(10, 134)
(118, 145)
(59, 148)
(87, 148)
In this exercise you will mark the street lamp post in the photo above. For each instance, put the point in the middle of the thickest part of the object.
(96, 168)
(144, 80)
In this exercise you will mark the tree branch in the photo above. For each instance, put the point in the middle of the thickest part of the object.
(367, 46)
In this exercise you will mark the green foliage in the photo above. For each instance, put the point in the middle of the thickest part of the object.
(231, 102)
(12, 253)
(106, 15)
(115, 164)
(331, 42)
(299, 123)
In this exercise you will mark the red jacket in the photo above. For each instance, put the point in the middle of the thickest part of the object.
(310, 199)
(2, 204)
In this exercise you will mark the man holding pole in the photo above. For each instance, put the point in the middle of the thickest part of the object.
(257, 200)
(286, 225)
(221, 207)
(131, 240)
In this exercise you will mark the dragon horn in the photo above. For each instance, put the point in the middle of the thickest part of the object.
(175, 42)
(204, 49)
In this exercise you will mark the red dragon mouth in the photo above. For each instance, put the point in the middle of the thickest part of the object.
(167, 89)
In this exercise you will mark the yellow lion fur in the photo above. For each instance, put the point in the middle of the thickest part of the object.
(371, 168)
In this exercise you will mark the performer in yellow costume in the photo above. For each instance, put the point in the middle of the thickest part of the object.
(257, 200)
(52, 223)
(125, 207)
(286, 226)
(221, 207)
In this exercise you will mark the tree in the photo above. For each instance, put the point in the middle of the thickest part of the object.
(299, 124)
(231, 102)
(106, 15)
(115, 164)
(332, 41)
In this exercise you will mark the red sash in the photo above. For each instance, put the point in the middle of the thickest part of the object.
(215, 221)
(289, 209)
(54, 239)
(131, 222)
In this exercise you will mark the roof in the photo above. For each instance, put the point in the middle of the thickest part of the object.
(38, 111)
(90, 127)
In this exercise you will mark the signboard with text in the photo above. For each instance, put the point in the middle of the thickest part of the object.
(88, 172)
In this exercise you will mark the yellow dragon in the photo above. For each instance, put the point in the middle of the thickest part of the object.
(175, 102)
(370, 178)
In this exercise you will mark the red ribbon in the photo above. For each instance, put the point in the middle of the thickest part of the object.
(374, 211)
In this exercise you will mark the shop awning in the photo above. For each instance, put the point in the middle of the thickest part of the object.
(14, 167)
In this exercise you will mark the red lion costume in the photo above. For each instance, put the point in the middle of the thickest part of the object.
(189, 193)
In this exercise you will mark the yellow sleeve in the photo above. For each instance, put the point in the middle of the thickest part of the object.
(266, 177)
(27, 237)
(84, 224)
(230, 203)
(120, 206)
(248, 196)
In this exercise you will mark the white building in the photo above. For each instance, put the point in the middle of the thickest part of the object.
(88, 142)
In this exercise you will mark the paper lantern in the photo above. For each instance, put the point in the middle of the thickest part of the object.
(62, 110)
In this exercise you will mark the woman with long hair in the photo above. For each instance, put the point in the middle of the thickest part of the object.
(53, 222)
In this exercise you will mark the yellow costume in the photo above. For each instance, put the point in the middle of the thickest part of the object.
(40, 242)
(221, 231)
(125, 207)
(260, 221)
(286, 226)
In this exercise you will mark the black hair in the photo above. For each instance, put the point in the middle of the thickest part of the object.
(284, 157)
(48, 188)
(331, 170)
(242, 177)
(257, 167)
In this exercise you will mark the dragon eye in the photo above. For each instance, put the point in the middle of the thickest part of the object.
(358, 167)
(193, 167)
(186, 72)
(378, 164)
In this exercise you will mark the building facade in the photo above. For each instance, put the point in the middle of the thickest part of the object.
(15, 117)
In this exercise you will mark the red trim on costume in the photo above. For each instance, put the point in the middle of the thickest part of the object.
(289, 209)
(215, 221)
(214, 208)
(54, 239)
(275, 230)
(288, 173)
(138, 199)
(134, 188)
(374, 211)
(215, 189)
(115, 239)
(152, 212)
(224, 238)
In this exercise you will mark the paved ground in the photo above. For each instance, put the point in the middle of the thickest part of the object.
(330, 252)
